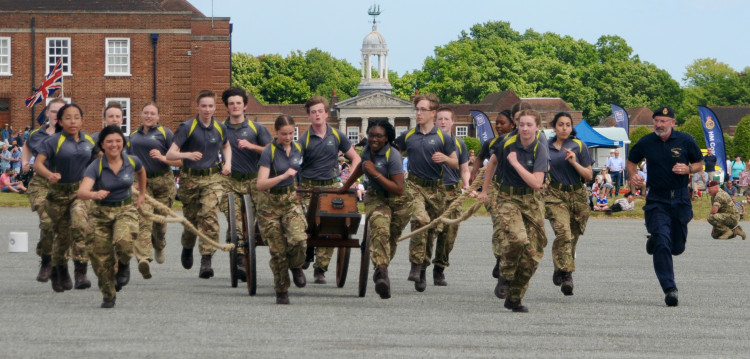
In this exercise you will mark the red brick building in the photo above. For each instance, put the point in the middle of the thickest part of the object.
(133, 51)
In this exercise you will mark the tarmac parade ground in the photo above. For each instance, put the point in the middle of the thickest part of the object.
(617, 311)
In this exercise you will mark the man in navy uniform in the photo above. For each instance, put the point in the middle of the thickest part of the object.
(672, 157)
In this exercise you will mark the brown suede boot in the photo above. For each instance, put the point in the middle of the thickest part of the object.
(739, 232)
(79, 272)
(282, 298)
(319, 276)
(64, 275)
(45, 269)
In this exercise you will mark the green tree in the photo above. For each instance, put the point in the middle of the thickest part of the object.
(741, 141)
(729, 149)
(472, 143)
(694, 127)
(637, 133)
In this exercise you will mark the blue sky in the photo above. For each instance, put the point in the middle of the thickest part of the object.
(668, 33)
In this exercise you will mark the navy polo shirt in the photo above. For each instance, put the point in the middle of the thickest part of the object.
(391, 165)
(36, 138)
(243, 160)
(280, 162)
(142, 142)
(119, 185)
(321, 154)
(560, 170)
(526, 156)
(68, 157)
(207, 140)
(451, 176)
(419, 148)
(661, 156)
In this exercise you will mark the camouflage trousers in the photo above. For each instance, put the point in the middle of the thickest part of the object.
(38, 199)
(151, 234)
(428, 204)
(447, 237)
(387, 217)
(722, 222)
(239, 188)
(322, 254)
(200, 205)
(568, 213)
(282, 226)
(114, 231)
(522, 222)
(69, 216)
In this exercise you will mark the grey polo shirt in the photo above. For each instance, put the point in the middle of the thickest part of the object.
(386, 163)
(321, 154)
(535, 158)
(119, 185)
(419, 147)
(68, 157)
(243, 160)
(207, 140)
(275, 159)
(451, 176)
(563, 172)
(142, 142)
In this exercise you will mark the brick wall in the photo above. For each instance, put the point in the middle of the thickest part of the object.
(179, 75)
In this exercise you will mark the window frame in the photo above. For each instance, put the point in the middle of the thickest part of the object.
(107, 63)
(401, 129)
(126, 115)
(349, 134)
(9, 56)
(64, 65)
(296, 133)
(464, 129)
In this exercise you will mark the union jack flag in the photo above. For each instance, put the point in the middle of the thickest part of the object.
(51, 83)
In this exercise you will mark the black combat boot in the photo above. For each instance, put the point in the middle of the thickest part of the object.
(62, 272)
(45, 269)
(55, 279)
(109, 303)
(566, 286)
(382, 282)
(206, 271)
(502, 288)
(438, 276)
(187, 258)
(421, 284)
(79, 273)
(122, 278)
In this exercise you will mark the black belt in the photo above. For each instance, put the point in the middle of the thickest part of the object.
(157, 173)
(424, 182)
(115, 203)
(319, 183)
(201, 172)
(452, 187)
(282, 190)
(243, 176)
(66, 187)
(565, 187)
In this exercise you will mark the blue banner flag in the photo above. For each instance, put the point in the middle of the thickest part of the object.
(621, 117)
(483, 126)
(714, 137)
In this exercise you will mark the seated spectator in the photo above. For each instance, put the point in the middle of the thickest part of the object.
(5, 158)
(698, 184)
(624, 204)
(7, 183)
(604, 180)
(601, 203)
(360, 191)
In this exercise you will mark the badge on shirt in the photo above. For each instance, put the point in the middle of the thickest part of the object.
(126, 177)
(529, 163)
(676, 152)
(330, 143)
(212, 140)
(244, 133)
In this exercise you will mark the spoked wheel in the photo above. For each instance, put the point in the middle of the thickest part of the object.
(232, 239)
(342, 265)
(250, 263)
(364, 264)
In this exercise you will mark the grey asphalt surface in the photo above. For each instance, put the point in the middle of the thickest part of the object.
(617, 311)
